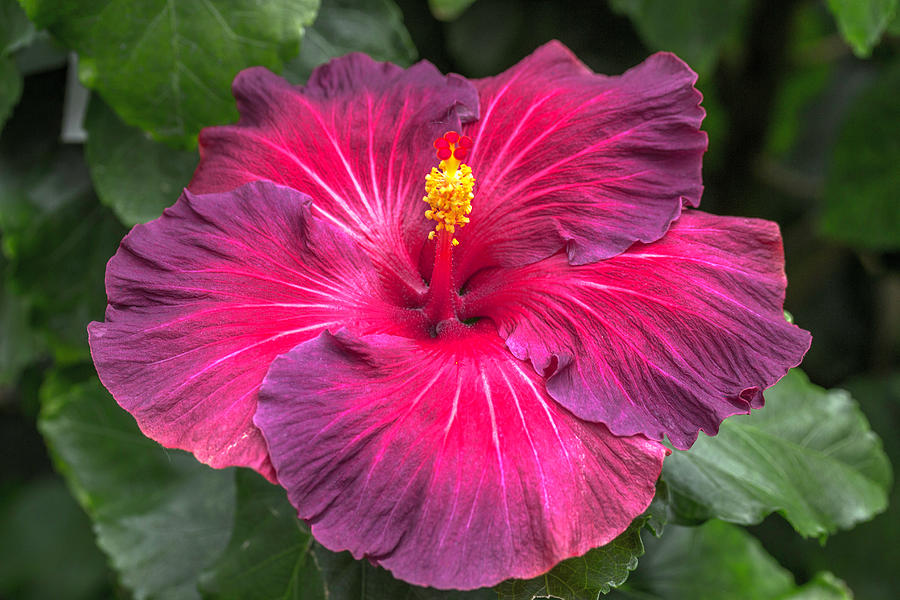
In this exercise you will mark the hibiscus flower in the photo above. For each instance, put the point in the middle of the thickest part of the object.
(470, 388)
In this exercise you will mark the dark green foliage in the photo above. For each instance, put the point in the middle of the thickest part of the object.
(349, 579)
(809, 454)
(374, 27)
(47, 549)
(166, 65)
(862, 192)
(10, 88)
(862, 21)
(134, 175)
(801, 132)
(160, 516)
(584, 577)
(270, 554)
(716, 561)
(57, 239)
(695, 30)
(16, 31)
(447, 10)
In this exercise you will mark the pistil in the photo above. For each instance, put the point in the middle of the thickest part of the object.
(442, 300)
(449, 193)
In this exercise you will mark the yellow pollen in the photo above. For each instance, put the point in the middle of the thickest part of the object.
(448, 192)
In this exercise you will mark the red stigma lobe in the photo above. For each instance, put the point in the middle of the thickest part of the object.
(452, 145)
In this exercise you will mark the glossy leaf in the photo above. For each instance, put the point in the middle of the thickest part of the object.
(270, 552)
(167, 65)
(714, 561)
(57, 238)
(863, 184)
(374, 27)
(862, 22)
(824, 586)
(809, 454)
(272, 555)
(695, 30)
(584, 577)
(349, 579)
(858, 555)
(133, 174)
(448, 10)
(16, 31)
(160, 516)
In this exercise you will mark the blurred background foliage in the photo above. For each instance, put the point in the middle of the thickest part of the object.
(803, 103)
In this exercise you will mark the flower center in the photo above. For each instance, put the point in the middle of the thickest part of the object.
(448, 188)
(448, 192)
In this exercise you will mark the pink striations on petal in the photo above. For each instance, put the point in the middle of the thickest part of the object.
(356, 138)
(445, 460)
(667, 338)
(203, 299)
(567, 159)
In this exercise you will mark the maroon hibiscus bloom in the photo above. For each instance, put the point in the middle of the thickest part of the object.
(467, 389)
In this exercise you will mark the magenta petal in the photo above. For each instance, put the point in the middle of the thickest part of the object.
(664, 339)
(203, 299)
(444, 460)
(357, 139)
(565, 158)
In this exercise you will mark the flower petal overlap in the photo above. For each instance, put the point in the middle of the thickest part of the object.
(344, 139)
(202, 300)
(458, 414)
(570, 159)
(666, 338)
(447, 463)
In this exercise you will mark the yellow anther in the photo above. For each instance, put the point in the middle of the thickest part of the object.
(448, 191)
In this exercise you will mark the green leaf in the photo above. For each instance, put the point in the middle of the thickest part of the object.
(159, 515)
(374, 27)
(584, 577)
(272, 555)
(448, 10)
(711, 562)
(58, 238)
(270, 552)
(893, 27)
(862, 22)
(47, 549)
(859, 555)
(349, 579)
(657, 514)
(810, 28)
(166, 66)
(19, 343)
(809, 454)
(695, 30)
(133, 175)
(824, 586)
(863, 185)
(10, 88)
(16, 31)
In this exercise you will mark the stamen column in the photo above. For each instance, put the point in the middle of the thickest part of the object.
(449, 193)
